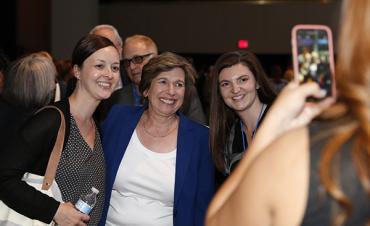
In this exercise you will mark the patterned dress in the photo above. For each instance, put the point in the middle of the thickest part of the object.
(80, 169)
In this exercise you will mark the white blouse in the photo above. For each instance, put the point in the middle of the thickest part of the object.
(143, 191)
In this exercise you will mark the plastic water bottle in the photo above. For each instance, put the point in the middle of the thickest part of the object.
(87, 202)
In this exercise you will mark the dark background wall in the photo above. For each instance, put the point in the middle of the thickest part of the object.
(71, 19)
(33, 25)
(216, 26)
(202, 30)
(8, 28)
(198, 29)
(25, 26)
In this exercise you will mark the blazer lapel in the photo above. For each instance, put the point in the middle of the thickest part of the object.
(185, 149)
(127, 129)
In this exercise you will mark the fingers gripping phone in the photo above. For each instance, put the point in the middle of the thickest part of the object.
(313, 58)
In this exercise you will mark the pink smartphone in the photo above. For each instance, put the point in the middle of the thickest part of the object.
(313, 57)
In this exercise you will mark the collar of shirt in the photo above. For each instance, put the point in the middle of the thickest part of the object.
(136, 95)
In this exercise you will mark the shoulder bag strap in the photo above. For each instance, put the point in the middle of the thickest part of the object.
(55, 153)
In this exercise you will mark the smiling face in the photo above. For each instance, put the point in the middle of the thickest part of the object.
(238, 87)
(99, 73)
(166, 92)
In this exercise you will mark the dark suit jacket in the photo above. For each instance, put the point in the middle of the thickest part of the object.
(194, 177)
(125, 96)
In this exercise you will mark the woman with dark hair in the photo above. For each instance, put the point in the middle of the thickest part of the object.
(159, 165)
(240, 97)
(317, 174)
(95, 63)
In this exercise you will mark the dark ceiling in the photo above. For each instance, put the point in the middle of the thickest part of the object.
(245, 1)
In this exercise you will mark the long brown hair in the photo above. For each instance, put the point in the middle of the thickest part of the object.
(353, 84)
(221, 116)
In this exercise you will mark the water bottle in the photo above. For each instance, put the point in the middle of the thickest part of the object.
(87, 202)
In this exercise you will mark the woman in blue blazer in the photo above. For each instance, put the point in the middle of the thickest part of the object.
(159, 167)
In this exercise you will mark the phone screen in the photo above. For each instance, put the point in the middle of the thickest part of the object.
(314, 57)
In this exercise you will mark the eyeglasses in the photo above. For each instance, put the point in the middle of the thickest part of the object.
(135, 59)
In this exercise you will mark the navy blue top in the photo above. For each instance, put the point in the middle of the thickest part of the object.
(194, 177)
(136, 95)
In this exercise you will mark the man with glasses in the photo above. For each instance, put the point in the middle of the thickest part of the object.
(137, 51)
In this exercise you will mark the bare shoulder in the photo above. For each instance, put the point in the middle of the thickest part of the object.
(277, 181)
(283, 152)
(287, 147)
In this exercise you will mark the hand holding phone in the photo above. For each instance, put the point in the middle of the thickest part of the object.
(313, 58)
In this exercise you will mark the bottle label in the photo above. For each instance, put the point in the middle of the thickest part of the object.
(83, 207)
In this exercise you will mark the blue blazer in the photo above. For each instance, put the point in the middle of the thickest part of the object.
(194, 176)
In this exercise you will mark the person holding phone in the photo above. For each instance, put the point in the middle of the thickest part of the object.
(316, 174)
(313, 57)
(240, 97)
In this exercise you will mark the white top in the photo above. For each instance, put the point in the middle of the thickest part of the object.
(143, 191)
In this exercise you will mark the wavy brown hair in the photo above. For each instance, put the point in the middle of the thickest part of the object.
(166, 62)
(221, 116)
(353, 84)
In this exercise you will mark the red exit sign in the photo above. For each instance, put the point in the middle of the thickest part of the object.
(243, 43)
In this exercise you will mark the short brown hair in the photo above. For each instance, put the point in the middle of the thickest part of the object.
(166, 62)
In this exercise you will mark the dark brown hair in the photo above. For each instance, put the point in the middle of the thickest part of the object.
(222, 117)
(88, 45)
(166, 62)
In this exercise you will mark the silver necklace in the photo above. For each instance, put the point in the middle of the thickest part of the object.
(157, 136)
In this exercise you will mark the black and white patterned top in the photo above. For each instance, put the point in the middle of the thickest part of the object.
(81, 168)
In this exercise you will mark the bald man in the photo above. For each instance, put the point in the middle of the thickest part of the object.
(137, 51)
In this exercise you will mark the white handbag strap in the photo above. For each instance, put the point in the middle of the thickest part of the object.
(55, 153)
